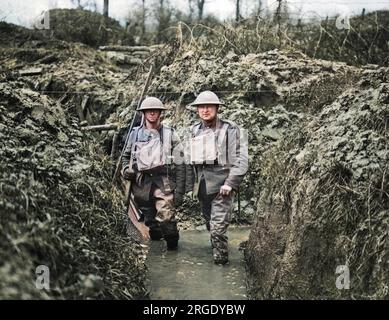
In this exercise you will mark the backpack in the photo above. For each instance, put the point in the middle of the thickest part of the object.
(153, 153)
(206, 147)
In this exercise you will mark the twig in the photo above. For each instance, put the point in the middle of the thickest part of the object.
(375, 36)
(344, 41)
(318, 42)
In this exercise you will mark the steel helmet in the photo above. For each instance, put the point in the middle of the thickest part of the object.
(207, 97)
(151, 103)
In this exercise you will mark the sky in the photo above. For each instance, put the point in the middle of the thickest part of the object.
(24, 13)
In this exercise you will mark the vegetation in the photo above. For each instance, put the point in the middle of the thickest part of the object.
(313, 100)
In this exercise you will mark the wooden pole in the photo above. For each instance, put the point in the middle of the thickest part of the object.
(119, 163)
(115, 141)
(101, 127)
(105, 12)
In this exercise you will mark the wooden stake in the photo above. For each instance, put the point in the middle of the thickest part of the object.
(101, 127)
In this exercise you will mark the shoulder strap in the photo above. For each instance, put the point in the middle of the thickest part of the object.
(222, 152)
(132, 145)
(195, 129)
(167, 133)
(136, 133)
(222, 133)
(134, 137)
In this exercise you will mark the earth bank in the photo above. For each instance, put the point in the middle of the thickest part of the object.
(316, 191)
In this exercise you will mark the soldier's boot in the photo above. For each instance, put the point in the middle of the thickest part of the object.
(170, 234)
(155, 233)
(220, 258)
(172, 242)
(219, 248)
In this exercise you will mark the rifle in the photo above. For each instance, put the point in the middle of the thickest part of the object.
(133, 211)
(137, 119)
(238, 220)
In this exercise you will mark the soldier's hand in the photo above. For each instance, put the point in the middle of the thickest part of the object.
(178, 197)
(128, 175)
(225, 190)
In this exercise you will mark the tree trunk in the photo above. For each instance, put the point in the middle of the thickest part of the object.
(160, 15)
(190, 3)
(259, 7)
(278, 19)
(105, 12)
(237, 13)
(143, 17)
(200, 6)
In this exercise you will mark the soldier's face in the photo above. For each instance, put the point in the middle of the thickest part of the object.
(207, 112)
(152, 115)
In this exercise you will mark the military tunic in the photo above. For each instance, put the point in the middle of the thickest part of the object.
(154, 189)
(229, 168)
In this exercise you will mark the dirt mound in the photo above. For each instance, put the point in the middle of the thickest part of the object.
(90, 28)
(318, 163)
(266, 93)
(57, 208)
(57, 205)
(12, 35)
(70, 25)
(324, 202)
(74, 73)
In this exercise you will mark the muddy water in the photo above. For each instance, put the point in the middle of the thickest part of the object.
(190, 273)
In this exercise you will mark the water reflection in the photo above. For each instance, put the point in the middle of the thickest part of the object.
(190, 273)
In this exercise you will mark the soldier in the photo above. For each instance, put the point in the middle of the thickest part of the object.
(219, 158)
(157, 183)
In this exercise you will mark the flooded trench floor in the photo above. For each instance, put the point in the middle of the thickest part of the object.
(189, 272)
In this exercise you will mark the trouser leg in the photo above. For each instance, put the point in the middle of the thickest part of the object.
(216, 210)
(220, 220)
(205, 203)
(165, 215)
(149, 212)
(147, 207)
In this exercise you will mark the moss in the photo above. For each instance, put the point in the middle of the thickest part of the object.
(58, 208)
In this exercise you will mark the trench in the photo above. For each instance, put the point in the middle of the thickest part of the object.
(190, 274)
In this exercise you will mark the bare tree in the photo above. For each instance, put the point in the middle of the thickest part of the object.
(237, 11)
(277, 17)
(86, 4)
(143, 17)
(3, 15)
(200, 7)
(77, 2)
(281, 17)
(259, 9)
(93, 5)
(164, 14)
(277, 14)
(160, 14)
(105, 12)
(191, 9)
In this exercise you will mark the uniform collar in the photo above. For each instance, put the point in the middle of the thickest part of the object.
(217, 125)
(144, 127)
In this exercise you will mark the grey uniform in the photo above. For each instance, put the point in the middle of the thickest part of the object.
(154, 189)
(228, 169)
